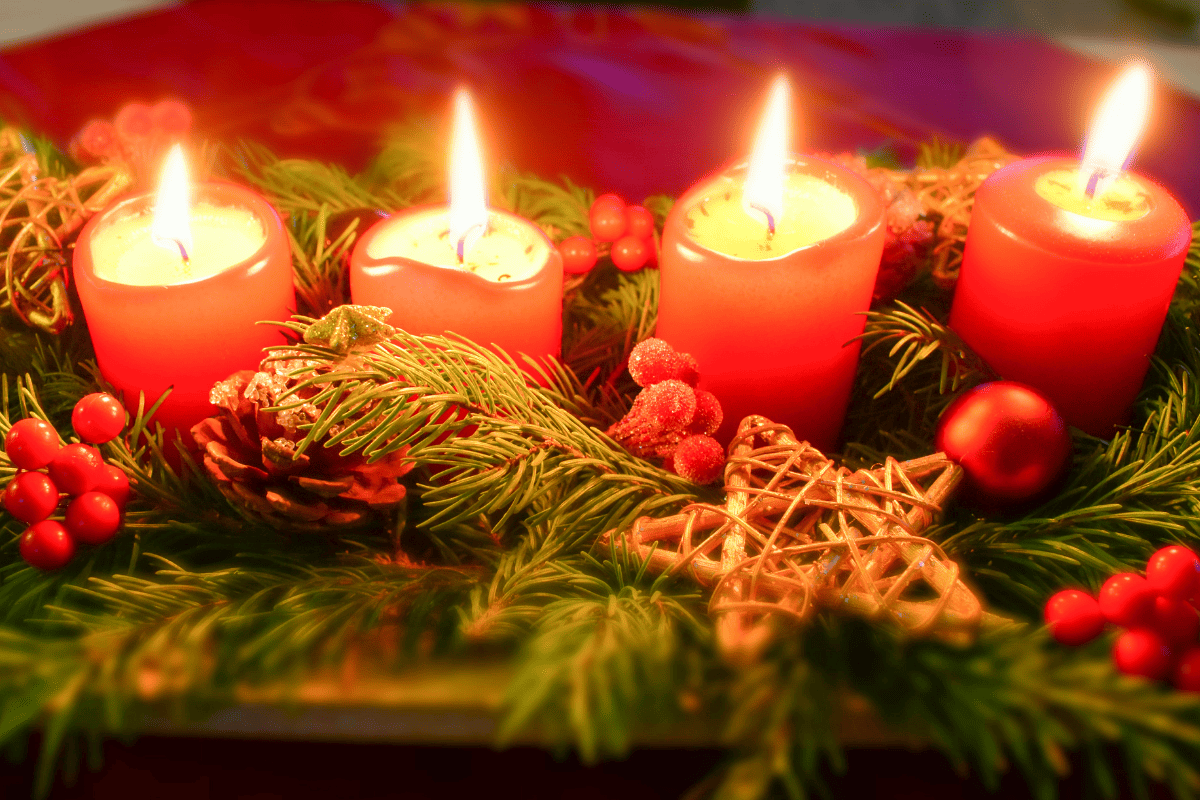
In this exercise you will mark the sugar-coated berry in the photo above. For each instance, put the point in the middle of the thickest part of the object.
(689, 370)
(76, 468)
(1074, 617)
(629, 253)
(98, 418)
(93, 518)
(1187, 671)
(113, 481)
(31, 497)
(578, 255)
(47, 545)
(639, 222)
(652, 361)
(607, 218)
(1175, 620)
(1174, 572)
(1142, 652)
(1126, 599)
(699, 459)
(669, 404)
(708, 416)
(31, 443)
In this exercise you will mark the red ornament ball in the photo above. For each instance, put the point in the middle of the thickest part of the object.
(93, 518)
(708, 416)
(98, 418)
(47, 545)
(1187, 671)
(1174, 572)
(669, 404)
(578, 255)
(1175, 620)
(1010, 441)
(113, 482)
(31, 443)
(607, 218)
(1074, 617)
(630, 253)
(699, 459)
(31, 497)
(639, 222)
(653, 361)
(76, 468)
(1142, 652)
(1127, 600)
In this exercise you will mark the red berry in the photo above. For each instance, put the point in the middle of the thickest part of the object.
(133, 121)
(699, 459)
(1187, 671)
(171, 117)
(578, 255)
(76, 468)
(669, 404)
(629, 253)
(1174, 572)
(708, 416)
(31, 443)
(1126, 599)
(1175, 620)
(1074, 617)
(113, 482)
(47, 545)
(98, 139)
(1142, 652)
(98, 418)
(31, 497)
(689, 370)
(639, 222)
(652, 361)
(93, 518)
(607, 218)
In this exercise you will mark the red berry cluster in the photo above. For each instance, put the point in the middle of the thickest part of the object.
(139, 134)
(96, 491)
(627, 231)
(670, 418)
(1160, 613)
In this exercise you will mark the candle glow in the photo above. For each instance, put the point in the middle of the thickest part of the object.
(762, 195)
(1115, 128)
(468, 206)
(171, 225)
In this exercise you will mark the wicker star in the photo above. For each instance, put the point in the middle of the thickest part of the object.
(798, 533)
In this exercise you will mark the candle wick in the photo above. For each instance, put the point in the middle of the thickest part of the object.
(461, 246)
(770, 218)
(1093, 183)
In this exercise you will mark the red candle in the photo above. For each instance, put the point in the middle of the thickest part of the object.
(158, 322)
(766, 269)
(1067, 291)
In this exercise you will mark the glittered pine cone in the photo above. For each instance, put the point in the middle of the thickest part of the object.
(250, 454)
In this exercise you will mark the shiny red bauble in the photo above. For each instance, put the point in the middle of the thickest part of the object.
(1010, 441)
(113, 482)
(93, 518)
(639, 222)
(1142, 652)
(1074, 617)
(98, 418)
(1187, 671)
(578, 255)
(1174, 572)
(76, 468)
(31, 443)
(31, 497)
(1174, 620)
(47, 545)
(1126, 599)
(607, 218)
(630, 253)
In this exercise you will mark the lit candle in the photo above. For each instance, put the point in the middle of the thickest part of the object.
(765, 270)
(490, 276)
(1070, 266)
(172, 290)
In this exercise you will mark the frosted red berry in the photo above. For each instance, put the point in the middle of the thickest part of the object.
(31, 497)
(1186, 676)
(1142, 652)
(578, 255)
(93, 518)
(75, 469)
(607, 218)
(1174, 572)
(699, 459)
(31, 443)
(98, 418)
(670, 404)
(629, 253)
(1074, 617)
(689, 370)
(1126, 599)
(639, 222)
(47, 545)
(113, 482)
(652, 361)
(1175, 620)
(708, 416)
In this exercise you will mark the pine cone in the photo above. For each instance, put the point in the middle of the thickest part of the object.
(251, 456)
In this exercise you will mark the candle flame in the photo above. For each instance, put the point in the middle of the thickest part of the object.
(763, 192)
(468, 207)
(1115, 129)
(171, 227)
